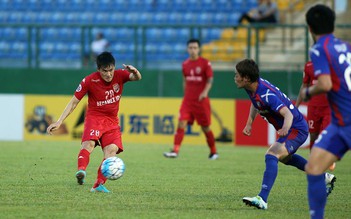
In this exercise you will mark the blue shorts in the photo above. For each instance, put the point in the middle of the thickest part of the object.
(335, 139)
(294, 139)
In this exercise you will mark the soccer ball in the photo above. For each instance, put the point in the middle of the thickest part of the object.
(113, 168)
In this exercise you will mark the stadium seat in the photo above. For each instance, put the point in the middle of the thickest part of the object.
(67, 39)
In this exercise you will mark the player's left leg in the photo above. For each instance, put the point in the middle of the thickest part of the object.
(331, 145)
(318, 162)
(210, 142)
(111, 144)
(109, 151)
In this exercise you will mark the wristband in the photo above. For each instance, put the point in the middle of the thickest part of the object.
(307, 93)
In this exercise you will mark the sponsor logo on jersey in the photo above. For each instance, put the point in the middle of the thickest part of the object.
(109, 101)
(116, 87)
(93, 80)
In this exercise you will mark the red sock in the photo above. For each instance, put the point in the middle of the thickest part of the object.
(83, 159)
(211, 142)
(178, 138)
(100, 178)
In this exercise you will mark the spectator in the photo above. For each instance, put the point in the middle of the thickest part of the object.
(99, 45)
(266, 12)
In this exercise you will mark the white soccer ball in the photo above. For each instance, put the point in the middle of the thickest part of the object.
(113, 168)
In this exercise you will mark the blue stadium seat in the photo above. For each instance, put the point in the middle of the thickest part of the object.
(4, 17)
(61, 47)
(160, 18)
(145, 18)
(188, 18)
(116, 18)
(169, 34)
(49, 34)
(44, 17)
(233, 18)
(9, 33)
(70, 34)
(101, 18)
(220, 18)
(22, 33)
(175, 18)
(16, 17)
(153, 34)
(183, 34)
(46, 48)
(86, 17)
(5, 47)
(19, 49)
(30, 18)
(204, 18)
(131, 18)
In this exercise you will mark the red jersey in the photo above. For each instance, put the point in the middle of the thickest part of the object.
(196, 72)
(103, 97)
(310, 79)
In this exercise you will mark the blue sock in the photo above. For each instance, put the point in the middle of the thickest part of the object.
(317, 196)
(297, 161)
(269, 176)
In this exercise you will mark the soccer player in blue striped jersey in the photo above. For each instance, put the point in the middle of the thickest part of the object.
(331, 59)
(274, 106)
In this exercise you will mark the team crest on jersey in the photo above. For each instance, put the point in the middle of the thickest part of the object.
(79, 88)
(198, 70)
(116, 87)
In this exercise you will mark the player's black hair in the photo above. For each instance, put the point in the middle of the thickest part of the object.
(321, 19)
(248, 68)
(194, 41)
(105, 59)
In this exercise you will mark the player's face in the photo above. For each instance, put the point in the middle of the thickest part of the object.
(239, 81)
(107, 73)
(193, 50)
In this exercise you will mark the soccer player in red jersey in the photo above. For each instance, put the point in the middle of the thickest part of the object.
(101, 124)
(198, 78)
(318, 112)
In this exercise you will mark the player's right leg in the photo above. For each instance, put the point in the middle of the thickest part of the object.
(178, 138)
(83, 160)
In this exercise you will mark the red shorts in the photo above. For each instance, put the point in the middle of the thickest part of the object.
(318, 118)
(104, 131)
(196, 110)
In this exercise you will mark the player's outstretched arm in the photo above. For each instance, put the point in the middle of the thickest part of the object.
(288, 119)
(250, 119)
(134, 73)
(66, 112)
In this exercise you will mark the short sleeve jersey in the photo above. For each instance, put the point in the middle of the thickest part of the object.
(310, 79)
(332, 56)
(269, 100)
(196, 73)
(103, 97)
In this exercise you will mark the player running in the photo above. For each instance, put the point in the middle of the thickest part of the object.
(318, 111)
(101, 124)
(331, 60)
(273, 105)
(198, 78)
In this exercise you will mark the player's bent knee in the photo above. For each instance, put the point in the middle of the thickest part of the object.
(88, 145)
(110, 150)
(313, 169)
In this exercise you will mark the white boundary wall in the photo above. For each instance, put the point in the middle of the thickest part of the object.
(11, 117)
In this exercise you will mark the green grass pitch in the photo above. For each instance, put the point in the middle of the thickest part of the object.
(37, 181)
